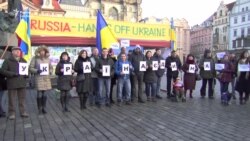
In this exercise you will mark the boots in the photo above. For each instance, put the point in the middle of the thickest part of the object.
(84, 102)
(81, 101)
(62, 100)
(39, 105)
(44, 100)
(191, 95)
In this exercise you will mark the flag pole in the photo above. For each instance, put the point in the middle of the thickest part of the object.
(7, 46)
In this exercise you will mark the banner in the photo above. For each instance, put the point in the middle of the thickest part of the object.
(73, 27)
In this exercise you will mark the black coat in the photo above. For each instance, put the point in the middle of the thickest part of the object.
(63, 81)
(170, 60)
(135, 61)
(107, 61)
(3, 83)
(150, 75)
(160, 71)
(10, 70)
(84, 86)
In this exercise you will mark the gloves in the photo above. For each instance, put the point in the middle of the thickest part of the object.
(39, 71)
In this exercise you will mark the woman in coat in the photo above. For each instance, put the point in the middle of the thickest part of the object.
(242, 80)
(43, 82)
(150, 78)
(83, 79)
(189, 76)
(64, 81)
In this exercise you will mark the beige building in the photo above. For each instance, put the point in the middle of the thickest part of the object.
(182, 34)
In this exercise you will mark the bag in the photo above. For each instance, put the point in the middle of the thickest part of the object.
(225, 98)
(197, 77)
(73, 83)
(80, 77)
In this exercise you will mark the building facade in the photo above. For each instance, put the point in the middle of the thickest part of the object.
(221, 27)
(240, 26)
(201, 38)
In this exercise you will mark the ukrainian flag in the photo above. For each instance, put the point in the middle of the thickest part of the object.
(23, 32)
(104, 35)
(172, 35)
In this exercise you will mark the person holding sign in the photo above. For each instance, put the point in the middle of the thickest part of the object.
(123, 68)
(233, 61)
(173, 65)
(114, 77)
(137, 77)
(40, 66)
(160, 72)
(64, 72)
(242, 80)
(190, 69)
(105, 69)
(208, 73)
(16, 83)
(83, 78)
(150, 78)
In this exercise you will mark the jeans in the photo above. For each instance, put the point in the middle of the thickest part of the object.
(123, 85)
(158, 86)
(233, 85)
(210, 87)
(136, 84)
(104, 83)
(1, 99)
(151, 89)
(224, 87)
(93, 97)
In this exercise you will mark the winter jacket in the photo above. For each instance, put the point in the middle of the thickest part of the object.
(135, 61)
(160, 72)
(170, 60)
(105, 61)
(118, 69)
(93, 60)
(150, 75)
(63, 81)
(204, 73)
(226, 73)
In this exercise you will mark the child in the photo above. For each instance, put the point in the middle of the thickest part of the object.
(178, 88)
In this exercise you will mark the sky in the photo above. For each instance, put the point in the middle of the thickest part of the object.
(194, 11)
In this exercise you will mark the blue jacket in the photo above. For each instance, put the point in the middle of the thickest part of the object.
(118, 69)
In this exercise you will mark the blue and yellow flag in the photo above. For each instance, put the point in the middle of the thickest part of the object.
(172, 35)
(104, 35)
(23, 32)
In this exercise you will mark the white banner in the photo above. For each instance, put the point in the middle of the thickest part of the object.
(155, 65)
(1, 62)
(219, 67)
(162, 64)
(86, 67)
(105, 70)
(23, 69)
(125, 68)
(207, 66)
(125, 43)
(67, 69)
(173, 66)
(220, 55)
(45, 69)
(191, 68)
(243, 67)
(143, 65)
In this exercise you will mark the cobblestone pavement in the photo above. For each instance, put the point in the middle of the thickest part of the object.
(197, 119)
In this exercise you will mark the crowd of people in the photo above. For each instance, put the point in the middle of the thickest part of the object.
(96, 75)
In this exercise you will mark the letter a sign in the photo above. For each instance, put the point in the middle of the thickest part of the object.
(143, 65)
(45, 69)
(67, 69)
(105, 70)
(23, 69)
(207, 66)
(86, 67)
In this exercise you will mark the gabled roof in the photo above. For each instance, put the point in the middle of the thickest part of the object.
(71, 2)
(230, 6)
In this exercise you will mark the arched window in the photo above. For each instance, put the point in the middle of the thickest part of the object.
(113, 13)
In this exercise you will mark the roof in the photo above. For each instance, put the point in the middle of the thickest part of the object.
(71, 2)
(230, 6)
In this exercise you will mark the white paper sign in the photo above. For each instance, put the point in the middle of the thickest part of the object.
(86, 67)
(67, 69)
(220, 54)
(23, 69)
(125, 68)
(1, 62)
(207, 66)
(162, 64)
(219, 66)
(45, 69)
(125, 43)
(243, 67)
(191, 68)
(155, 65)
(105, 70)
(115, 45)
(173, 66)
(143, 65)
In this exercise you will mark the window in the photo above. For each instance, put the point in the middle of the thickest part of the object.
(242, 31)
(246, 8)
(239, 43)
(234, 43)
(243, 19)
(235, 32)
(248, 31)
(221, 13)
(242, 10)
(235, 20)
(249, 17)
(113, 13)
